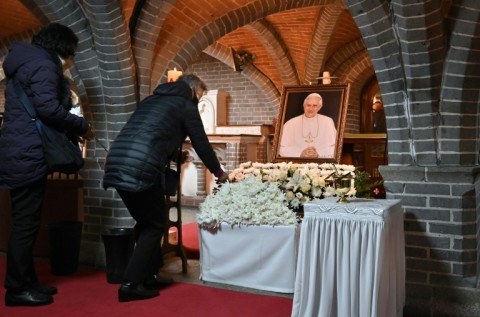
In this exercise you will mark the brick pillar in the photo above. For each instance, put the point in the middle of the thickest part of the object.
(441, 238)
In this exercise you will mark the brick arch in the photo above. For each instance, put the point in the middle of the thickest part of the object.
(223, 54)
(71, 15)
(34, 6)
(148, 27)
(116, 68)
(459, 98)
(315, 60)
(109, 67)
(421, 78)
(188, 51)
(344, 54)
(99, 72)
(265, 85)
(219, 52)
(422, 71)
(357, 71)
(277, 48)
(357, 64)
(381, 41)
(351, 64)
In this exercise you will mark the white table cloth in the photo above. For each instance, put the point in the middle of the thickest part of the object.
(259, 257)
(351, 260)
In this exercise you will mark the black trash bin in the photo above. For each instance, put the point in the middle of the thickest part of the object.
(64, 241)
(119, 244)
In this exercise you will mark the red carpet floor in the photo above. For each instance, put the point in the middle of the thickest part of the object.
(87, 294)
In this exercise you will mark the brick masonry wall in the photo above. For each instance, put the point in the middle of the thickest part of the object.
(247, 105)
(441, 235)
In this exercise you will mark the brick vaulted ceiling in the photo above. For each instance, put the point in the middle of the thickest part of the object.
(289, 33)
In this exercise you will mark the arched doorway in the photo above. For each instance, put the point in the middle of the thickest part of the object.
(368, 149)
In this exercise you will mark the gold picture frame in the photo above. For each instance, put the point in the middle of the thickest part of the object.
(335, 104)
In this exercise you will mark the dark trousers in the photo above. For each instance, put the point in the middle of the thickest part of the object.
(26, 215)
(148, 210)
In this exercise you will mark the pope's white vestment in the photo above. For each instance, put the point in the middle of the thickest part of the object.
(301, 132)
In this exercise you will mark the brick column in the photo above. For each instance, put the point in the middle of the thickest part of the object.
(441, 238)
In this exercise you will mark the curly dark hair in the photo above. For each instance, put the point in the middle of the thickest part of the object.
(58, 39)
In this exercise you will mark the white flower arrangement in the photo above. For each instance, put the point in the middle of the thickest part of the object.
(300, 183)
(249, 202)
(267, 193)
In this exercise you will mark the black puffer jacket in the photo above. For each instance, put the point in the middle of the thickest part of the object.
(21, 152)
(147, 142)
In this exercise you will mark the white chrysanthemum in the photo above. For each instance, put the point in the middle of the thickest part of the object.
(246, 164)
(295, 203)
(249, 202)
(317, 191)
(290, 195)
(305, 188)
(329, 191)
(308, 179)
(238, 177)
(346, 168)
(281, 175)
(318, 181)
(283, 166)
(249, 170)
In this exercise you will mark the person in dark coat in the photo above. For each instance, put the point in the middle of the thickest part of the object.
(37, 67)
(135, 167)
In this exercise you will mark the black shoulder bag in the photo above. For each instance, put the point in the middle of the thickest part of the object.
(61, 154)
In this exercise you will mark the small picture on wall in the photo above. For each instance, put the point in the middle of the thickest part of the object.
(311, 123)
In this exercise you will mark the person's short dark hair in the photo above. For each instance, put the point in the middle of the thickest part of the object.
(58, 39)
(193, 81)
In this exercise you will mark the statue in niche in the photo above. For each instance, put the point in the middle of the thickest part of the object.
(207, 113)
(213, 110)
(189, 179)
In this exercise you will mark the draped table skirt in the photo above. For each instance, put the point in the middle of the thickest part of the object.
(259, 257)
(351, 260)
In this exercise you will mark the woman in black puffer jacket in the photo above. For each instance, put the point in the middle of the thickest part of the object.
(135, 167)
(37, 67)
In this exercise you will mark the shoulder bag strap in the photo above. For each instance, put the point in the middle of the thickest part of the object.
(24, 99)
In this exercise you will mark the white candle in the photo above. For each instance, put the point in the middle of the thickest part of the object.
(173, 75)
(326, 80)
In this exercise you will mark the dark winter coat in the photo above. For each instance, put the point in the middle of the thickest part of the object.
(40, 73)
(147, 142)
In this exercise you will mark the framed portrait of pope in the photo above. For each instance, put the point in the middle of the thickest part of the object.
(310, 124)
